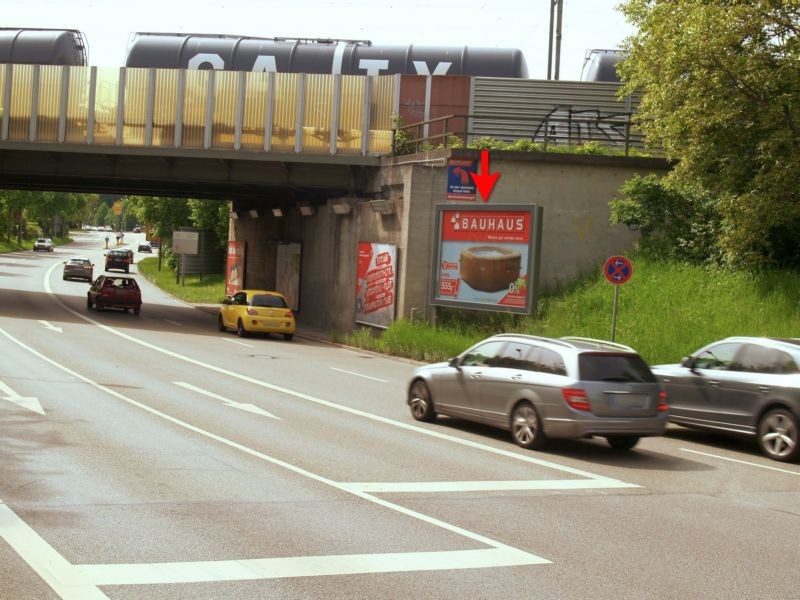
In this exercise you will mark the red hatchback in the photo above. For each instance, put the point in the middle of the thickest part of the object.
(117, 291)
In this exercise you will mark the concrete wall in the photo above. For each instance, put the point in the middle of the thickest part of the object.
(574, 192)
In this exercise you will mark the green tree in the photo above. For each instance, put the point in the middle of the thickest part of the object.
(212, 215)
(163, 215)
(720, 92)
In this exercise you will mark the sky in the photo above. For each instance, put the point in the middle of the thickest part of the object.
(107, 24)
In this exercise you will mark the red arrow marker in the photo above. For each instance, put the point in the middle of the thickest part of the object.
(484, 180)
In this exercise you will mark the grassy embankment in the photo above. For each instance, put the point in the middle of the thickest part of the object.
(27, 243)
(666, 311)
(206, 289)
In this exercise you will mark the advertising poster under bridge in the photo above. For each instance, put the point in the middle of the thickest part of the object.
(487, 257)
(234, 269)
(376, 277)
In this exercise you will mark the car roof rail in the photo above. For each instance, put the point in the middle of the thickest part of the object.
(603, 343)
(537, 338)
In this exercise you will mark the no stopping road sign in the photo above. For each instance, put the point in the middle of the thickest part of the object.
(618, 270)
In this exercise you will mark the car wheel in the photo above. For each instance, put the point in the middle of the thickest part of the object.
(420, 401)
(98, 307)
(64, 277)
(126, 269)
(88, 303)
(137, 310)
(622, 442)
(288, 336)
(778, 435)
(526, 428)
(220, 323)
(240, 330)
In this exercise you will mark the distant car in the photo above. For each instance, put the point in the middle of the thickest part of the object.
(145, 248)
(539, 388)
(154, 243)
(78, 267)
(43, 244)
(118, 259)
(115, 291)
(257, 311)
(86, 228)
(137, 229)
(740, 385)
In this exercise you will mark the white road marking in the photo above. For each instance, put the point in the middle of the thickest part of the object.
(304, 566)
(487, 486)
(235, 342)
(359, 375)
(28, 402)
(741, 462)
(173, 322)
(65, 580)
(516, 553)
(51, 327)
(241, 406)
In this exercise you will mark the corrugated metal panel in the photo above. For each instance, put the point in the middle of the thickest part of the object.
(135, 113)
(380, 118)
(20, 109)
(351, 114)
(49, 103)
(106, 100)
(317, 113)
(77, 104)
(254, 119)
(165, 107)
(570, 111)
(194, 109)
(285, 124)
(226, 86)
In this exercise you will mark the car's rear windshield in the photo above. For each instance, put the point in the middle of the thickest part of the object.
(614, 367)
(268, 300)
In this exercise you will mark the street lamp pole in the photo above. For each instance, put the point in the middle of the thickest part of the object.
(556, 13)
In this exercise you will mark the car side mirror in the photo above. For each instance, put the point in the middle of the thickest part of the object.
(688, 362)
(226, 301)
(454, 363)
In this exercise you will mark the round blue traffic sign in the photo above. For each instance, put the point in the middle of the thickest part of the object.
(618, 270)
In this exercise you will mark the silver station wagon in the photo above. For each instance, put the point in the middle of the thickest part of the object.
(539, 388)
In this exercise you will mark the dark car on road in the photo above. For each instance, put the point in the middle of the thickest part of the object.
(78, 267)
(118, 259)
(539, 388)
(145, 248)
(740, 385)
(115, 291)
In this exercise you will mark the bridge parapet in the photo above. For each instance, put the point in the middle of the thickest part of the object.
(245, 112)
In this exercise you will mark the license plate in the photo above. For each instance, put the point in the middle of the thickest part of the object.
(627, 401)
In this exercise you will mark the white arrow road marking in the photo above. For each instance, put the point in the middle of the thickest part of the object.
(172, 322)
(741, 462)
(51, 327)
(28, 402)
(241, 406)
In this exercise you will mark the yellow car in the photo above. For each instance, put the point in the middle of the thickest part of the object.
(256, 311)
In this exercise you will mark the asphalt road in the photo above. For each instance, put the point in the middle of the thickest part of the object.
(153, 457)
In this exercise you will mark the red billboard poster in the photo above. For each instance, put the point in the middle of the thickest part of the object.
(376, 277)
(460, 185)
(485, 257)
(234, 270)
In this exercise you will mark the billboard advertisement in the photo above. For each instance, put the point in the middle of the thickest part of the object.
(376, 280)
(234, 268)
(487, 257)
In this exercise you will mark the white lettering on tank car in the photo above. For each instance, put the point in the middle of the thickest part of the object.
(214, 59)
(422, 68)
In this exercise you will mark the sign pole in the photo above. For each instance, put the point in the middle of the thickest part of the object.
(614, 314)
(618, 270)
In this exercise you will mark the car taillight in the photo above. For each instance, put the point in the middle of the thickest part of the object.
(662, 401)
(252, 312)
(576, 398)
(288, 315)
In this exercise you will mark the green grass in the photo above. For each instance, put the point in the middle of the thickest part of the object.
(208, 289)
(27, 243)
(665, 311)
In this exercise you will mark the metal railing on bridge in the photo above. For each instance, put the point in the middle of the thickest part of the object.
(561, 127)
(194, 109)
